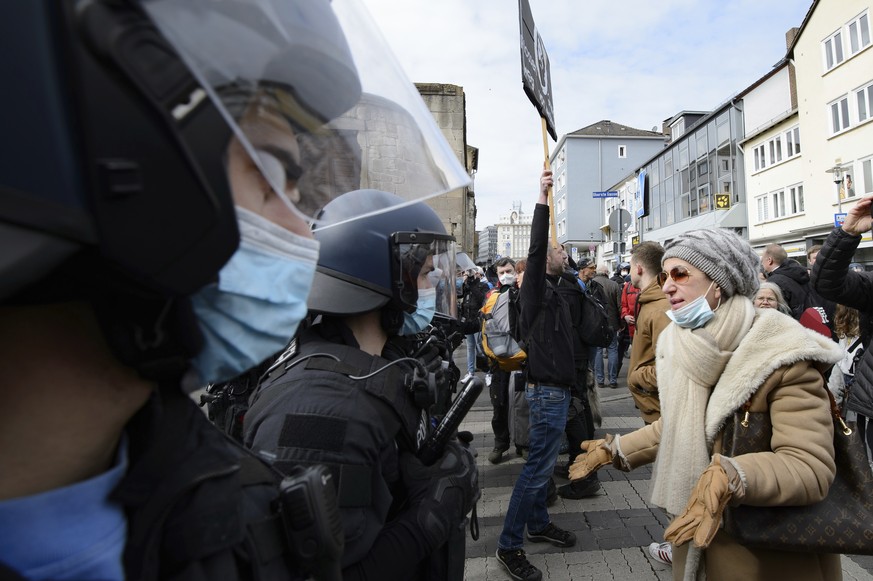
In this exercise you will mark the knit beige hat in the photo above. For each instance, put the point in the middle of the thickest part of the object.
(722, 256)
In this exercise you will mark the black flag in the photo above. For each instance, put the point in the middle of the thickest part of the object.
(535, 74)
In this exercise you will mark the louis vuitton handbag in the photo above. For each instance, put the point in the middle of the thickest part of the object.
(841, 523)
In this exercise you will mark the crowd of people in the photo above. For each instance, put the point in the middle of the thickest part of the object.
(194, 232)
(711, 325)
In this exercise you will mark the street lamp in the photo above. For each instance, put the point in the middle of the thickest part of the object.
(837, 170)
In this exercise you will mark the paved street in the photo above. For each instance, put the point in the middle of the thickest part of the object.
(613, 529)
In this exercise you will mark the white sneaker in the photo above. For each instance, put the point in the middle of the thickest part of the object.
(466, 378)
(661, 552)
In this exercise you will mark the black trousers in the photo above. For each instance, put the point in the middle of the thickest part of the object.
(580, 420)
(500, 404)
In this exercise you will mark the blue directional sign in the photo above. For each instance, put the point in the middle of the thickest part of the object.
(839, 219)
(605, 194)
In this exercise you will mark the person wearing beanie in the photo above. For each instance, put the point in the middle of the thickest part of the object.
(718, 354)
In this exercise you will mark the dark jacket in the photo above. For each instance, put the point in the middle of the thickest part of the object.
(793, 279)
(313, 413)
(473, 296)
(567, 286)
(832, 279)
(199, 507)
(612, 292)
(544, 318)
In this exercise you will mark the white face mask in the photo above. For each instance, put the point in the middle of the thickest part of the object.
(695, 314)
(507, 279)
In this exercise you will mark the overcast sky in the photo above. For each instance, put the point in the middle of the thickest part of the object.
(634, 62)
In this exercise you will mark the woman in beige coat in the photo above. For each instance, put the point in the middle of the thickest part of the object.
(719, 353)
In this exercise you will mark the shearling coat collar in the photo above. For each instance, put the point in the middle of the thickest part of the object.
(775, 340)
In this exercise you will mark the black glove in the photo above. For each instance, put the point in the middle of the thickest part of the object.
(441, 494)
(438, 383)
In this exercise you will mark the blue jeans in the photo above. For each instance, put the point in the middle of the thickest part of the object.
(472, 341)
(527, 506)
(612, 362)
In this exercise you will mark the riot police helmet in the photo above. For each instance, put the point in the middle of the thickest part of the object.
(135, 129)
(381, 260)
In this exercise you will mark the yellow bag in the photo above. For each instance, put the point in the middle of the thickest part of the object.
(499, 321)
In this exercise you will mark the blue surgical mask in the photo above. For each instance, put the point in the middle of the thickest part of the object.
(695, 314)
(418, 320)
(258, 302)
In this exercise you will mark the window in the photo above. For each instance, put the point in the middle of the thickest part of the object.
(760, 157)
(795, 197)
(677, 129)
(859, 33)
(701, 143)
(864, 96)
(775, 146)
(780, 204)
(763, 209)
(833, 49)
(622, 151)
(839, 115)
(703, 198)
(792, 142)
(685, 212)
(777, 200)
(867, 176)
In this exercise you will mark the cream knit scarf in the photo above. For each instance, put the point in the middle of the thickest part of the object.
(689, 363)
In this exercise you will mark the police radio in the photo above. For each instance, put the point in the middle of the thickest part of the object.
(311, 519)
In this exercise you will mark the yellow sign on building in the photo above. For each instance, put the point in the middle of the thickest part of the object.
(722, 201)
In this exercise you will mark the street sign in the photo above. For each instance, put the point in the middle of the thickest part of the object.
(619, 222)
(839, 219)
(605, 194)
(635, 240)
(722, 201)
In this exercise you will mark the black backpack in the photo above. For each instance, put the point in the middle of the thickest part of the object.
(595, 329)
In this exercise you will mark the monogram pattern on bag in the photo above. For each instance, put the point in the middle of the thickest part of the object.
(841, 523)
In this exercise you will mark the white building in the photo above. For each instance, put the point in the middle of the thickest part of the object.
(811, 115)
(513, 233)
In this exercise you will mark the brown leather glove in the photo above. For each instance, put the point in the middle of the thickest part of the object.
(597, 453)
(702, 515)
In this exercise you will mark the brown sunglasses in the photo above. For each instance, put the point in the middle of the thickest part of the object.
(679, 276)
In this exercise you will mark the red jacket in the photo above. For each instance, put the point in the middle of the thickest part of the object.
(629, 294)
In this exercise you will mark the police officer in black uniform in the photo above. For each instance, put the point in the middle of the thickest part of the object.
(161, 160)
(348, 398)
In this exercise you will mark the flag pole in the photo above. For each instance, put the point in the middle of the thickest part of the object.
(548, 166)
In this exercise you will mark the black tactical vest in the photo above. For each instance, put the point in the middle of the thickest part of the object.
(336, 405)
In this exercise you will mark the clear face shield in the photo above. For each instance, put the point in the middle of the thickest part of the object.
(463, 263)
(317, 103)
(424, 266)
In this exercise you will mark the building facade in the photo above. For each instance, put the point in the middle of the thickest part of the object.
(675, 190)
(590, 160)
(513, 233)
(457, 209)
(487, 246)
(833, 56)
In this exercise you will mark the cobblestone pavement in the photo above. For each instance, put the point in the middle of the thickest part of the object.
(613, 529)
